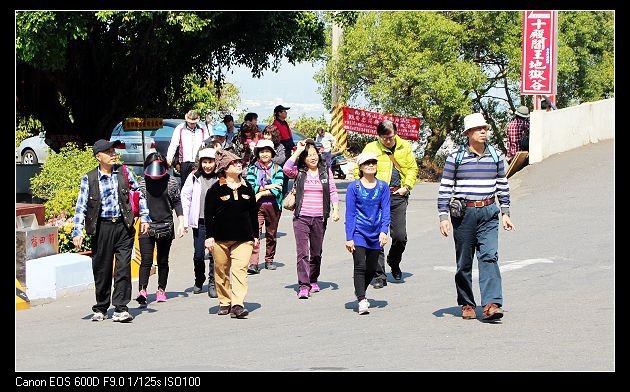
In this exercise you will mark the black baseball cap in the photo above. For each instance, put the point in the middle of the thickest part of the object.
(104, 145)
(280, 108)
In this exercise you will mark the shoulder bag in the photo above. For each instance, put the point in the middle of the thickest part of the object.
(134, 196)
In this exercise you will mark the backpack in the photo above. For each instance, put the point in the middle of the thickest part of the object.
(523, 145)
(462, 150)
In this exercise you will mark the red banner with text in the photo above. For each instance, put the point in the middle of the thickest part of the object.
(540, 53)
(364, 121)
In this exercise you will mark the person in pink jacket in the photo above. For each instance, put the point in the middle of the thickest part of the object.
(193, 199)
(315, 194)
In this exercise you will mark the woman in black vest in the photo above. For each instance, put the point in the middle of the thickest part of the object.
(162, 194)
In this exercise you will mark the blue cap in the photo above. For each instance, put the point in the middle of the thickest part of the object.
(219, 129)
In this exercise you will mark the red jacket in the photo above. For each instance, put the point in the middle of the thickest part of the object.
(283, 129)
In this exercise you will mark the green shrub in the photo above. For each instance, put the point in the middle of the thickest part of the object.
(59, 181)
(308, 125)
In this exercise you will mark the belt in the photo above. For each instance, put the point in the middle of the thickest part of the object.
(479, 203)
(393, 189)
(112, 220)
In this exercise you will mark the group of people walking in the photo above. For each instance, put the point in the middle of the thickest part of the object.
(226, 199)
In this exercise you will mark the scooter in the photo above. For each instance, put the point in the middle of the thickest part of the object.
(337, 159)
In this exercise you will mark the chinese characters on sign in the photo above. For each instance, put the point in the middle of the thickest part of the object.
(540, 42)
(41, 240)
(134, 124)
(363, 121)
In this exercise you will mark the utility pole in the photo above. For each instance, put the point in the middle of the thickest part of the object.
(337, 36)
(336, 125)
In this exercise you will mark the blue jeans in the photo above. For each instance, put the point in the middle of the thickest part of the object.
(199, 239)
(478, 231)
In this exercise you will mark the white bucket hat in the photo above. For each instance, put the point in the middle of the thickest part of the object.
(207, 153)
(366, 156)
(262, 143)
(192, 116)
(522, 111)
(474, 120)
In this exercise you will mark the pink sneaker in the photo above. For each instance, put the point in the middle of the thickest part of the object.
(142, 297)
(303, 294)
(160, 295)
(314, 288)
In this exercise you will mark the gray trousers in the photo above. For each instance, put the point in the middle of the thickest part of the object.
(398, 232)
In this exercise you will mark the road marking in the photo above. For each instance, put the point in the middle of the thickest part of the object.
(511, 265)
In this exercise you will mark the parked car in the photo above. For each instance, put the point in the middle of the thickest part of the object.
(155, 140)
(131, 149)
(33, 150)
(297, 136)
(163, 135)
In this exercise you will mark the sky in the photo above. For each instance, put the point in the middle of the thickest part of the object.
(292, 86)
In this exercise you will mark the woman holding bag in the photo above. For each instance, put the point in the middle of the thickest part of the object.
(315, 192)
(161, 192)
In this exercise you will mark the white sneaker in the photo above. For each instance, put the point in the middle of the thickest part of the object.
(364, 305)
(122, 317)
(98, 316)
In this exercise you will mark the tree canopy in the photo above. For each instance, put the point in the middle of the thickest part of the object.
(443, 65)
(80, 73)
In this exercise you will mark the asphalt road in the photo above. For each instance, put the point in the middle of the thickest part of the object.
(558, 284)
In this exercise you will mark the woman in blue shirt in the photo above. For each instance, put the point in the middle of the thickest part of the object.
(367, 223)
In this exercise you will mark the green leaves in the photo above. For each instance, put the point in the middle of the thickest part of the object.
(444, 65)
(58, 182)
(108, 65)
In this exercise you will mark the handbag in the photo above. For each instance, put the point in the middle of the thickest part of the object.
(134, 196)
(457, 208)
(161, 230)
(289, 201)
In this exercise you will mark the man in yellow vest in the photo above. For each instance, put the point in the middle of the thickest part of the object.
(396, 166)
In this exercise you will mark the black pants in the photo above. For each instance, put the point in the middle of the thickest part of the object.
(147, 244)
(398, 232)
(288, 150)
(185, 169)
(365, 265)
(112, 239)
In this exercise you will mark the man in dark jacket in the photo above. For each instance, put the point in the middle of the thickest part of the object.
(104, 206)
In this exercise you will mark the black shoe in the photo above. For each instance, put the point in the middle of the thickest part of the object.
(396, 272)
(252, 269)
(379, 283)
(212, 290)
(238, 312)
(270, 266)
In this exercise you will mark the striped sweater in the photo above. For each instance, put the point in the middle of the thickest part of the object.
(477, 179)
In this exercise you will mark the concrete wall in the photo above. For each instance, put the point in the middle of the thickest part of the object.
(56, 275)
(569, 128)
